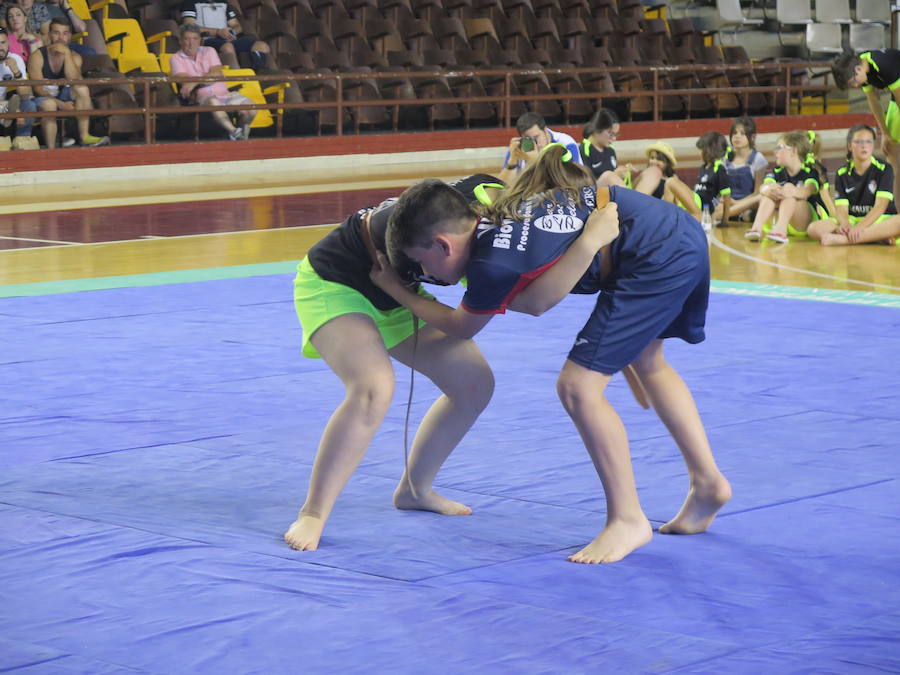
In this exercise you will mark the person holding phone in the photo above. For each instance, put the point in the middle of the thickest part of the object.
(534, 136)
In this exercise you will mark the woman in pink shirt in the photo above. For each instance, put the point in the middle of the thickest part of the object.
(21, 42)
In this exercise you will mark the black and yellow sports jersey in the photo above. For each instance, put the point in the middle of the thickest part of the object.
(341, 255)
(884, 69)
(598, 161)
(806, 175)
(858, 192)
(712, 183)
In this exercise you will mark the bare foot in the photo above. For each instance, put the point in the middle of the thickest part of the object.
(833, 239)
(700, 508)
(618, 539)
(428, 501)
(304, 533)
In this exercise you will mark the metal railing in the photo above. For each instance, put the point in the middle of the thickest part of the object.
(793, 82)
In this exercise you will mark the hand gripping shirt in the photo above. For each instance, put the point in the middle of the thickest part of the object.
(858, 192)
(341, 255)
(508, 257)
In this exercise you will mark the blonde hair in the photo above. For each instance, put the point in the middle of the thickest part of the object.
(799, 140)
(548, 175)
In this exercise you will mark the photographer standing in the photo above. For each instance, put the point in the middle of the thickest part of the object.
(534, 136)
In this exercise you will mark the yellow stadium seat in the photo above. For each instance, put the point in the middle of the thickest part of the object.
(124, 36)
(146, 63)
(80, 7)
(251, 90)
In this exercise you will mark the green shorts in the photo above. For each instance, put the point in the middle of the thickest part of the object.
(318, 301)
(854, 220)
(892, 121)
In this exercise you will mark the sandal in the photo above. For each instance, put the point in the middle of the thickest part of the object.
(775, 236)
(752, 235)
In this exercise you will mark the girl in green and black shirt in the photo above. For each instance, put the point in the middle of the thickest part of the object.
(865, 210)
(788, 191)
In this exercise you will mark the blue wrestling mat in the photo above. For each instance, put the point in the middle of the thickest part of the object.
(156, 442)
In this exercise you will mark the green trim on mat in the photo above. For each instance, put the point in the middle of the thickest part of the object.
(154, 279)
(800, 293)
(266, 269)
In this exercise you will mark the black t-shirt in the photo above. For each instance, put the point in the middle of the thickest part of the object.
(598, 161)
(712, 183)
(806, 174)
(341, 255)
(884, 68)
(859, 192)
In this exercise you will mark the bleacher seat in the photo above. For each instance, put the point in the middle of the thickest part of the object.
(864, 36)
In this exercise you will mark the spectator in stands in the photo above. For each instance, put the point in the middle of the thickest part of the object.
(534, 136)
(597, 151)
(58, 62)
(788, 192)
(746, 168)
(865, 211)
(62, 9)
(12, 67)
(36, 13)
(658, 179)
(21, 41)
(196, 60)
(875, 71)
(221, 30)
(713, 188)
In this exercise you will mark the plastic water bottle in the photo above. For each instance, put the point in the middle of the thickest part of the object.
(706, 220)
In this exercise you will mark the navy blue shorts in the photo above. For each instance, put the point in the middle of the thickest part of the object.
(241, 44)
(655, 297)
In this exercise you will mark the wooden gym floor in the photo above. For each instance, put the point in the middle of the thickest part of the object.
(129, 238)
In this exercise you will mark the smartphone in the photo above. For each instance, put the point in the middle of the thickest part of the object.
(526, 144)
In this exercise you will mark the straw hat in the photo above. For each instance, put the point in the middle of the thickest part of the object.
(663, 148)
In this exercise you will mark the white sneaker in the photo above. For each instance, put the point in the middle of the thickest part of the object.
(68, 142)
(245, 131)
(236, 135)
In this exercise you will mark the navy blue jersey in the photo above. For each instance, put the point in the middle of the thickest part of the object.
(508, 257)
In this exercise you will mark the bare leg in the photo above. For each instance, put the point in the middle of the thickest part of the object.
(222, 119)
(673, 403)
(608, 178)
(353, 348)
(740, 205)
(461, 373)
(820, 228)
(648, 180)
(763, 214)
(791, 211)
(48, 124)
(83, 102)
(627, 528)
(886, 230)
(228, 56)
